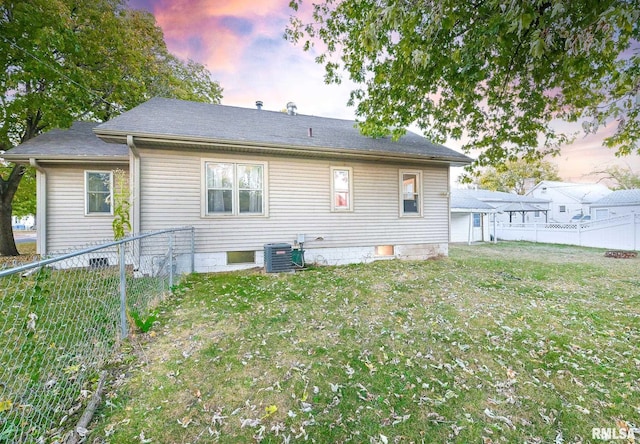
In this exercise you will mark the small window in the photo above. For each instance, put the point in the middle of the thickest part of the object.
(98, 186)
(341, 189)
(411, 185)
(536, 214)
(563, 209)
(384, 250)
(241, 257)
(477, 220)
(234, 188)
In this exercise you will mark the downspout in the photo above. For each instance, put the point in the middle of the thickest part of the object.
(134, 190)
(41, 206)
(134, 183)
(449, 231)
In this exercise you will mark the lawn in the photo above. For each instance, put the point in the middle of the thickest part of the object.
(497, 343)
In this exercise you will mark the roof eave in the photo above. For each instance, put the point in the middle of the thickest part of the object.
(167, 141)
(25, 158)
(618, 204)
(473, 210)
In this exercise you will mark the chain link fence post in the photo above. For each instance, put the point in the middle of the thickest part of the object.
(170, 254)
(123, 293)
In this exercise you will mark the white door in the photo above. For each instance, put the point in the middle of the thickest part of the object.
(476, 233)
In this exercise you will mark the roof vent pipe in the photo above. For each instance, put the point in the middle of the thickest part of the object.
(291, 108)
(259, 104)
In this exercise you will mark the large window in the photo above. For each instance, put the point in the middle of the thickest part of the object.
(341, 189)
(234, 188)
(98, 192)
(411, 193)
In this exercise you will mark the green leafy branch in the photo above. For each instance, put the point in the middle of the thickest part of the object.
(121, 205)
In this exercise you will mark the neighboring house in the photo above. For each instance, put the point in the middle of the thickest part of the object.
(470, 221)
(617, 203)
(569, 201)
(244, 178)
(23, 222)
(509, 207)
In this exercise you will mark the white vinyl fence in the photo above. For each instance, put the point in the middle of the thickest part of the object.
(619, 233)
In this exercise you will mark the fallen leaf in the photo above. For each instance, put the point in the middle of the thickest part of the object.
(5, 405)
(31, 323)
(270, 410)
(71, 369)
(184, 422)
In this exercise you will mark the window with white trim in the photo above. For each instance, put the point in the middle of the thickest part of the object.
(477, 220)
(341, 189)
(410, 193)
(234, 188)
(98, 187)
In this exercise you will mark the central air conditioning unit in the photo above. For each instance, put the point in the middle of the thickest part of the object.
(277, 258)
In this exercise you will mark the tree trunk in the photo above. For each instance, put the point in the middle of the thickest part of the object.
(7, 191)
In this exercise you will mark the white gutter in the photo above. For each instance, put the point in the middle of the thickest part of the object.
(134, 184)
(41, 207)
(198, 142)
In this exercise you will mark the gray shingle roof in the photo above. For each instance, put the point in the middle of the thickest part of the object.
(519, 206)
(581, 192)
(619, 198)
(462, 202)
(79, 141)
(498, 196)
(177, 120)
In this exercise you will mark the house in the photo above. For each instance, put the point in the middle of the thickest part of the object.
(64, 161)
(569, 201)
(244, 178)
(23, 222)
(470, 221)
(509, 207)
(618, 203)
(475, 213)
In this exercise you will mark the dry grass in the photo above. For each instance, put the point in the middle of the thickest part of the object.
(498, 343)
(27, 252)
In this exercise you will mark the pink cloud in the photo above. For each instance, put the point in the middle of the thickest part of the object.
(216, 33)
(586, 155)
(241, 42)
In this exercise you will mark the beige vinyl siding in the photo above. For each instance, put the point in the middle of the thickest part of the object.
(298, 200)
(67, 225)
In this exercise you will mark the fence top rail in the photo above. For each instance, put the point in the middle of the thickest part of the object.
(52, 260)
(570, 225)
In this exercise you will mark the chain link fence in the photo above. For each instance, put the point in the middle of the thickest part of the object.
(62, 318)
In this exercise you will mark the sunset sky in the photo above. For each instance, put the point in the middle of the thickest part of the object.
(241, 42)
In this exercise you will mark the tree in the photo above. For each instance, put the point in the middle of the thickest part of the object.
(67, 60)
(24, 202)
(496, 74)
(514, 176)
(625, 178)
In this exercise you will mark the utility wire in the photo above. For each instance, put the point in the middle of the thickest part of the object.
(61, 74)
